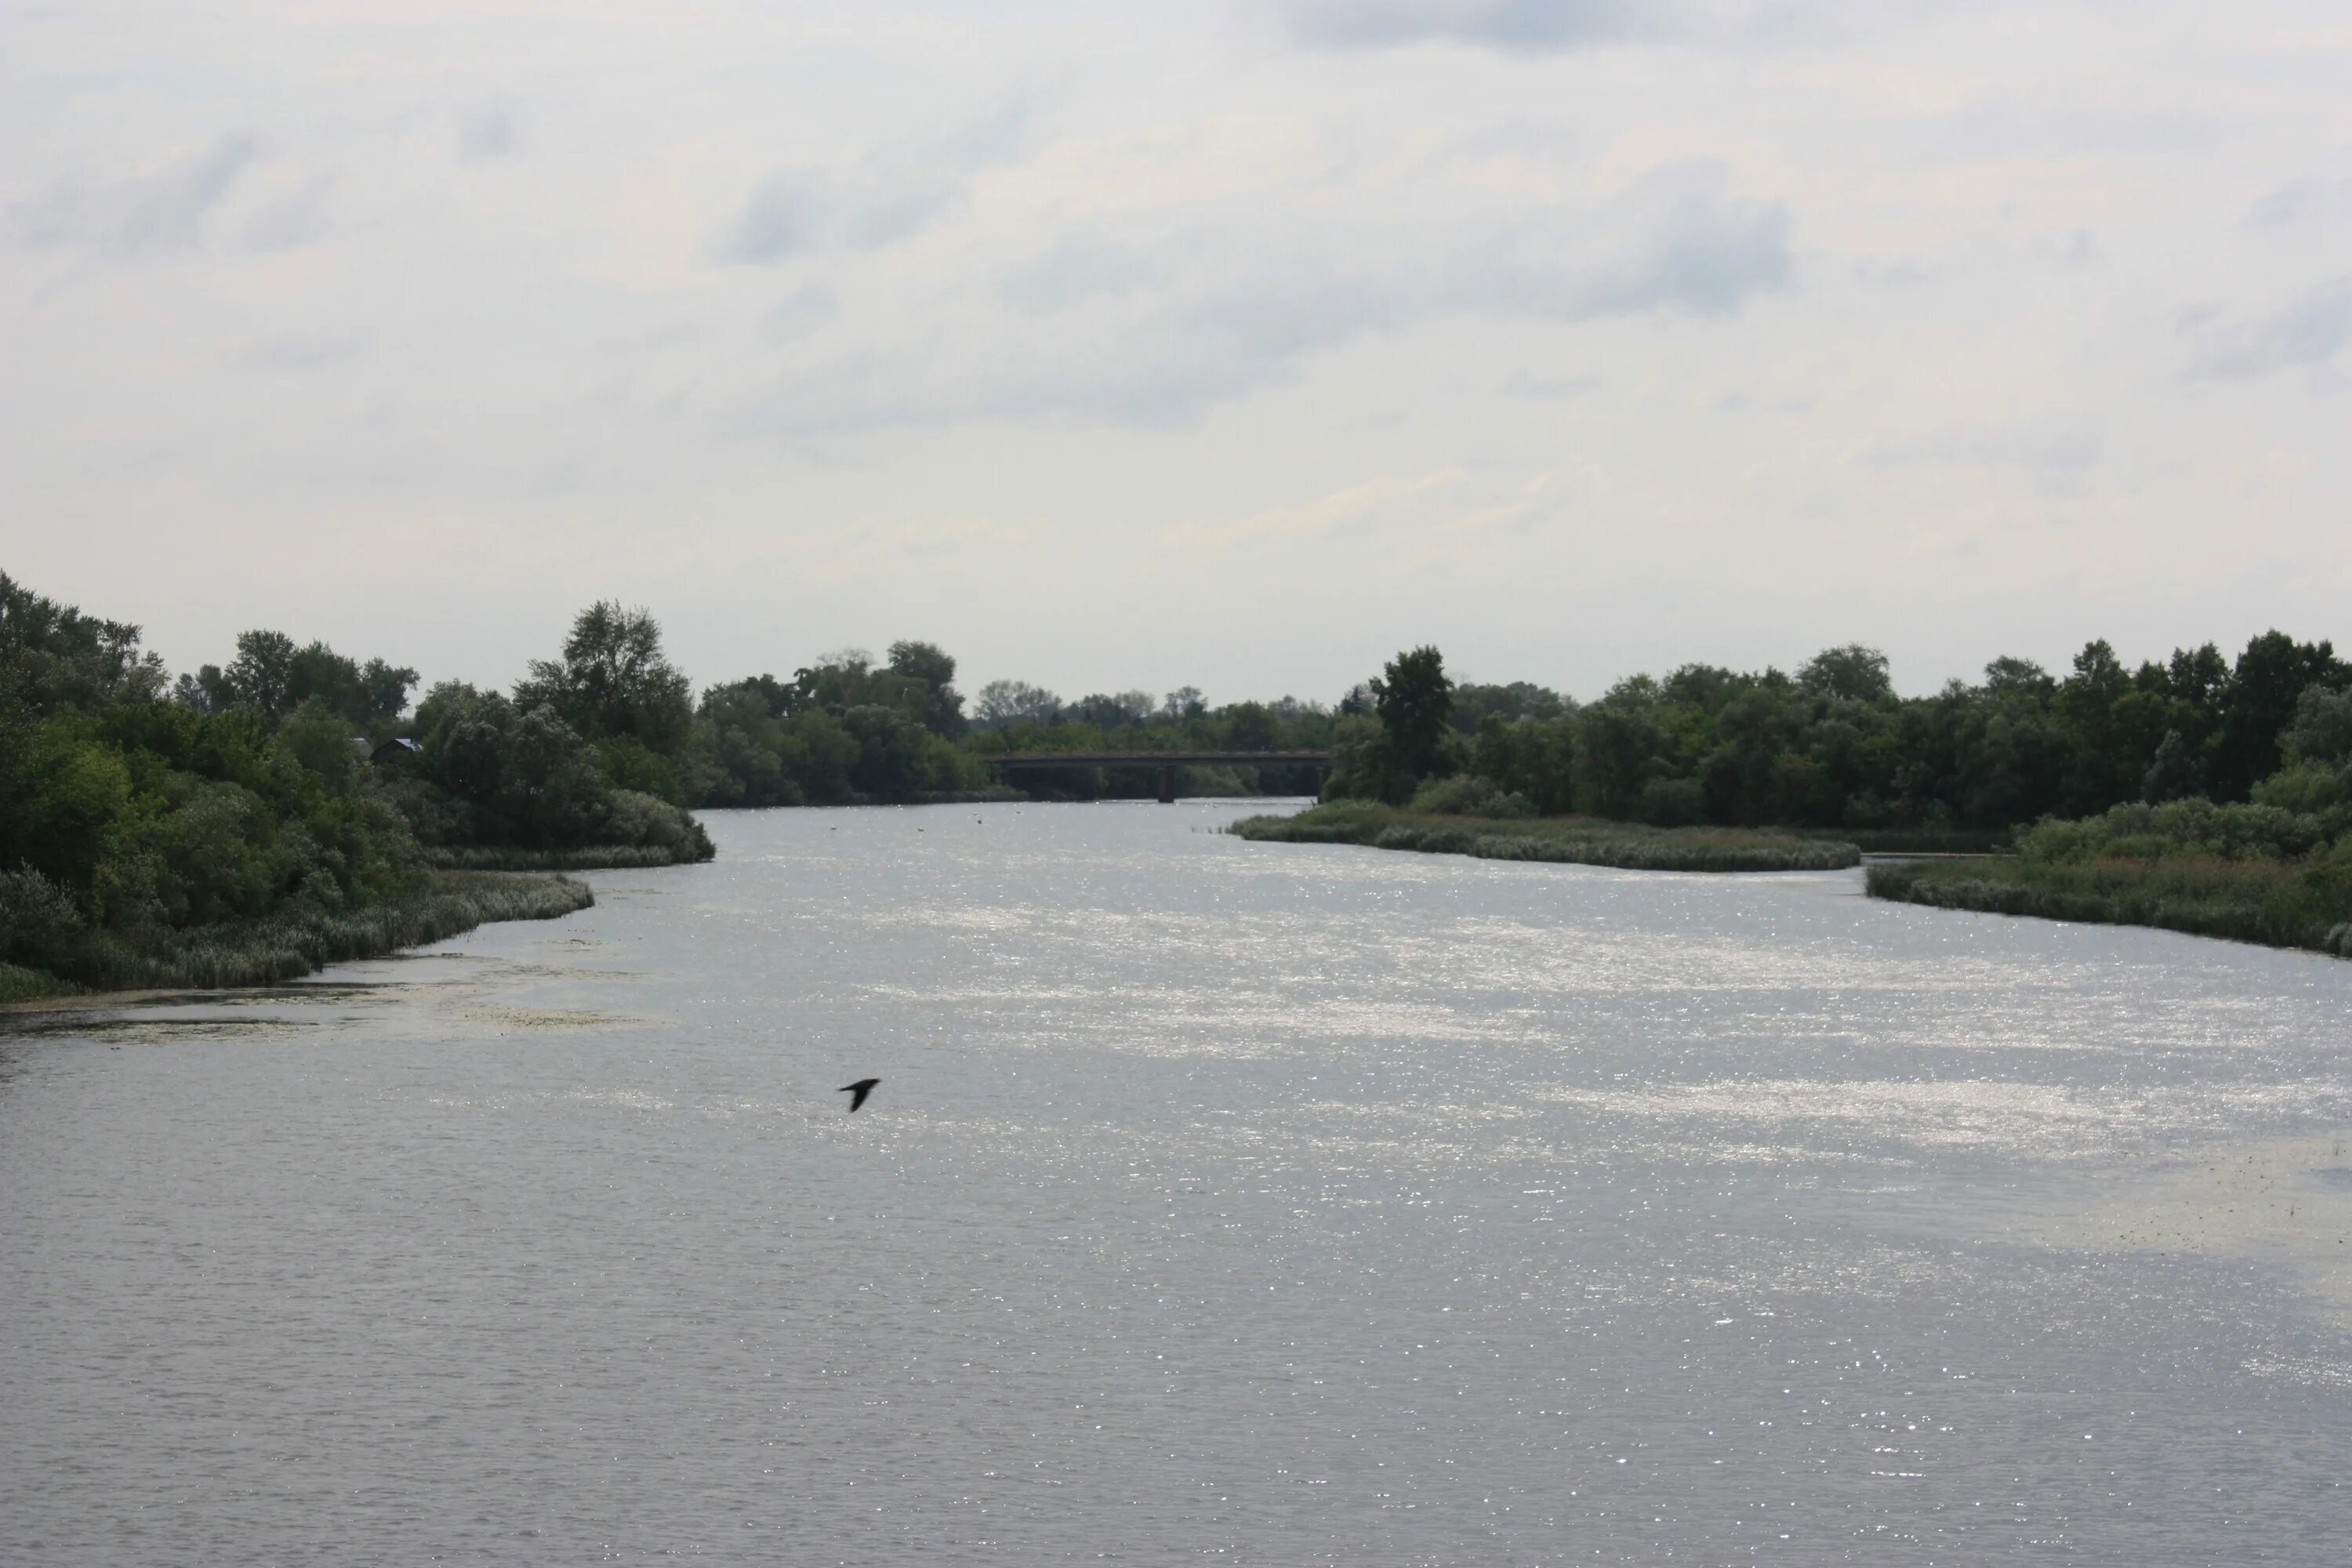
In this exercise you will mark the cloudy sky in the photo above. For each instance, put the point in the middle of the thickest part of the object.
(1133, 345)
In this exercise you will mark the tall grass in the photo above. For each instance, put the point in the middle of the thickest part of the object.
(2278, 903)
(1570, 840)
(263, 952)
(18, 983)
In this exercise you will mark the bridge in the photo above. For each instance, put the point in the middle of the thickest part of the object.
(1167, 762)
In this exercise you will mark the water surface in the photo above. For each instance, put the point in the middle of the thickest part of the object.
(1267, 1203)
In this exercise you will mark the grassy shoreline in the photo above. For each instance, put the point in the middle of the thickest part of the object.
(2272, 904)
(265, 952)
(1568, 840)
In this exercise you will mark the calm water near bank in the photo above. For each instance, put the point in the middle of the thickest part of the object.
(1280, 1203)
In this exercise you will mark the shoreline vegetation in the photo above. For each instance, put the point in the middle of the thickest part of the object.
(246, 825)
(296, 785)
(1567, 840)
(2205, 798)
(2252, 873)
(288, 946)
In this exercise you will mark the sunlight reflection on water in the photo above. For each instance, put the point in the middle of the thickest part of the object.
(1297, 1204)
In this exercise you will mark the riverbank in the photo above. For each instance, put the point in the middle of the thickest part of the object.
(2275, 903)
(589, 858)
(1571, 840)
(264, 952)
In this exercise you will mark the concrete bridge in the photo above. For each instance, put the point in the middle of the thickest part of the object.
(1167, 762)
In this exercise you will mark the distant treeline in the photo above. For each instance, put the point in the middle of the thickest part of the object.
(297, 778)
(1831, 746)
(2199, 794)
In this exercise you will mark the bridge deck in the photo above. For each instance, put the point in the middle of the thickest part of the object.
(1166, 762)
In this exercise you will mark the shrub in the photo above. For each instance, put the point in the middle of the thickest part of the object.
(1466, 794)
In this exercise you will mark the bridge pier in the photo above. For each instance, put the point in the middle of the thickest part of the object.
(1167, 783)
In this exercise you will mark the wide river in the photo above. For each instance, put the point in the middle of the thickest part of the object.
(1259, 1203)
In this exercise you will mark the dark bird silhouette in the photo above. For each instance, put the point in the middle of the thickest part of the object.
(859, 1091)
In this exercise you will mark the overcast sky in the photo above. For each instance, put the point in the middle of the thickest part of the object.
(1238, 345)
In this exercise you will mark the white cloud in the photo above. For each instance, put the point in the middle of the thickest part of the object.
(1567, 336)
(2304, 201)
(892, 194)
(1214, 303)
(162, 211)
(2308, 330)
(1515, 25)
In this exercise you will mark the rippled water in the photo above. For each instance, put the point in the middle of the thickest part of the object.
(1270, 1203)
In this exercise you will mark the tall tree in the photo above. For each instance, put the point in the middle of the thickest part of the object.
(614, 680)
(1412, 700)
(929, 663)
(2260, 703)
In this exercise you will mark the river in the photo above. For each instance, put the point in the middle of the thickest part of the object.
(1257, 1203)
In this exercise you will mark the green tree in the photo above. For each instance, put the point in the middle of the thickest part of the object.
(261, 677)
(1412, 700)
(941, 704)
(2260, 703)
(1850, 674)
(613, 679)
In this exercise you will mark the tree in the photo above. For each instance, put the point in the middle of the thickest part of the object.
(1005, 703)
(614, 680)
(942, 713)
(1850, 674)
(2172, 773)
(261, 677)
(1411, 700)
(2260, 702)
(2322, 731)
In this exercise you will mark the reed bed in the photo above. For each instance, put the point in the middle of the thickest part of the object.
(1568, 840)
(264, 952)
(18, 983)
(2277, 903)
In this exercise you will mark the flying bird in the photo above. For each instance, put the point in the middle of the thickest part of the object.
(859, 1091)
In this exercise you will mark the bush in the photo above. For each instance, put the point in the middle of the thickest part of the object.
(2176, 829)
(40, 923)
(1469, 795)
(642, 821)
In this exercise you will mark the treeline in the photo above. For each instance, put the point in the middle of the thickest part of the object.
(848, 729)
(145, 840)
(1833, 746)
(572, 770)
(1014, 716)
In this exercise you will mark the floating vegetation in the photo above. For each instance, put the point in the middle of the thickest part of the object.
(1571, 840)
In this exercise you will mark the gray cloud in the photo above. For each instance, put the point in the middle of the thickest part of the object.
(892, 194)
(2305, 331)
(2057, 454)
(486, 131)
(164, 211)
(1155, 328)
(2300, 201)
(300, 351)
(294, 219)
(1513, 25)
